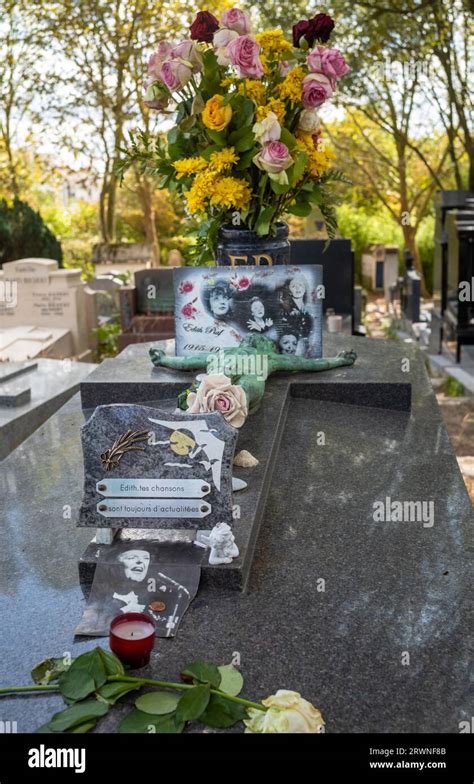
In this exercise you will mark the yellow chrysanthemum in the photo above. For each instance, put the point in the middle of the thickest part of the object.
(199, 191)
(254, 89)
(274, 44)
(187, 166)
(230, 192)
(228, 81)
(274, 105)
(319, 154)
(223, 160)
(292, 85)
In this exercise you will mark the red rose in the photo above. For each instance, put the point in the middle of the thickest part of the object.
(244, 283)
(185, 287)
(317, 29)
(188, 310)
(204, 27)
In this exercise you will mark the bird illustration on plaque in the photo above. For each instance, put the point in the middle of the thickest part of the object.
(148, 468)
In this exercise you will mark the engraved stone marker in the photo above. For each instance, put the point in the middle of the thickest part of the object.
(147, 468)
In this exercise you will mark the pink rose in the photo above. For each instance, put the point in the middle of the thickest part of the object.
(317, 88)
(235, 19)
(268, 130)
(155, 97)
(188, 51)
(175, 74)
(216, 393)
(328, 61)
(273, 158)
(309, 121)
(188, 310)
(185, 287)
(163, 51)
(244, 283)
(284, 68)
(243, 52)
(221, 41)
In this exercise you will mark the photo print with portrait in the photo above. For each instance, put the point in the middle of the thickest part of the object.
(216, 307)
(142, 577)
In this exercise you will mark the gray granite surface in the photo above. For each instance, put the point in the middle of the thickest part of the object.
(389, 587)
(50, 383)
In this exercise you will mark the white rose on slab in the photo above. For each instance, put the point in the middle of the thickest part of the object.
(217, 393)
(286, 712)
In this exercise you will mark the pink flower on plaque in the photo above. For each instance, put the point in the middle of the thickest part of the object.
(244, 283)
(188, 310)
(185, 287)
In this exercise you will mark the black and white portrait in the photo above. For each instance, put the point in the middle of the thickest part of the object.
(216, 307)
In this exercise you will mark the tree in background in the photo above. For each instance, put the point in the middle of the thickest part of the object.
(23, 234)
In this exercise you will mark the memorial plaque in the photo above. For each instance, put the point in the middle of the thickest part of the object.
(216, 307)
(147, 468)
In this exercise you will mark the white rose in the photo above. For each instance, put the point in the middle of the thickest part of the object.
(221, 40)
(216, 393)
(309, 121)
(287, 712)
(268, 130)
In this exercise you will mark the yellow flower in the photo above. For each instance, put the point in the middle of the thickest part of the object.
(274, 105)
(254, 89)
(319, 154)
(187, 166)
(200, 191)
(274, 44)
(222, 160)
(216, 115)
(230, 192)
(292, 85)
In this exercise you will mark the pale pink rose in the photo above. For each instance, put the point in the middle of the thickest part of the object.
(309, 121)
(237, 20)
(268, 130)
(175, 74)
(163, 51)
(284, 68)
(216, 393)
(328, 61)
(317, 88)
(155, 96)
(243, 52)
(221, 41)
(274, 157)
(188, 51)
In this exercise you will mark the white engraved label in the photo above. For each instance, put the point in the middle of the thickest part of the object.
(153, 488)
(138, 507)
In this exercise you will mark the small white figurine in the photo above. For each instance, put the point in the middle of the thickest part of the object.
(222, 544)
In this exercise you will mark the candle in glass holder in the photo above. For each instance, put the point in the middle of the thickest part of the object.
(132, 637)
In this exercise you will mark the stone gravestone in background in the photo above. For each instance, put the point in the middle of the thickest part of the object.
(147, 468)
(44, 302)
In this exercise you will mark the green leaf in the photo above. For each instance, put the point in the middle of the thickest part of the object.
(295, 171)
(157, 702)
(262, 226)
(287, 138)
(86, 674)
(278, 188)
(222, 713)
(246, 159)
(217, 137)
(239, 133)
(302, 210)
(77, 714)
(173, 135)
(193, 703)
(186, 124)
(111, 692)
(204, 672)
(83, 728)
(112, 664)
(138, 722)
(49, 670)
(231, 680)
(245, 143)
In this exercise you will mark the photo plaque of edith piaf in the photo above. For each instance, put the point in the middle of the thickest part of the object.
(145, 578)
(216, 307)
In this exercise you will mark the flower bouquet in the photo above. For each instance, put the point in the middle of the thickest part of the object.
(246, 146)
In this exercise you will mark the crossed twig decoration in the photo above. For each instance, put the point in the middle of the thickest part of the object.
(125, 443)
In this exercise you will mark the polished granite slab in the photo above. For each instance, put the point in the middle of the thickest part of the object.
(334, 599)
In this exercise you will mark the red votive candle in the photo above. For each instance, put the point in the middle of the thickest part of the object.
(132, 637)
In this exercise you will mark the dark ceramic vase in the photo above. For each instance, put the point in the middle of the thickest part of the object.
(243, 248)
